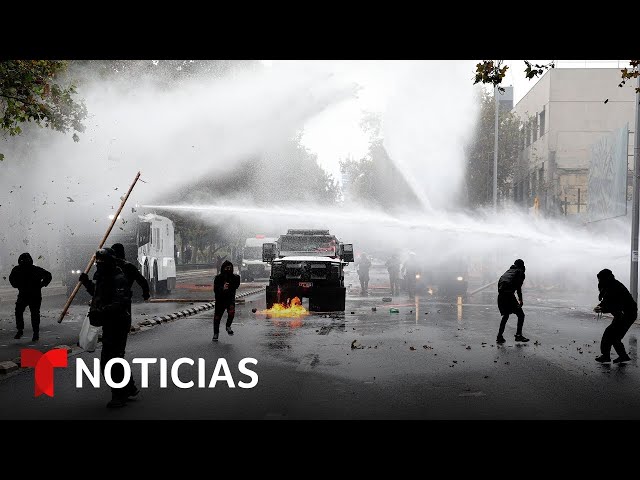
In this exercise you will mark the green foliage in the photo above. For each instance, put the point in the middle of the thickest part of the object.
(375, 179)
(30, 92)
(628, 75)
(492, 72)
(479, 172)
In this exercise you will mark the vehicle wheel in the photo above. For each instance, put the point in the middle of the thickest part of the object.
(271, 295)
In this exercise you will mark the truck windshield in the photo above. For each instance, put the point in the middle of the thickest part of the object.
(324, 244)
(252, 253)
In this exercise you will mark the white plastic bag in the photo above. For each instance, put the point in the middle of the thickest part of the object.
(88, 335)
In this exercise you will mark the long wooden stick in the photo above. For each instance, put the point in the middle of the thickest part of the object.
(102, 242)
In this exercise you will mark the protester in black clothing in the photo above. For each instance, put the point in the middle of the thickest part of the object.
(130, 271)
(224, 286)
(111, 299)
(509, 284)
(29, 280)
(615, 299)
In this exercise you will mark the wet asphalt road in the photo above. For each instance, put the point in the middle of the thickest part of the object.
(196, 285)
(433, 360)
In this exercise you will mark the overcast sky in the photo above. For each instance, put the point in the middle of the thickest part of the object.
(336, 133)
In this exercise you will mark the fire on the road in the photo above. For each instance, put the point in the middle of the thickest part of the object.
(294, 309)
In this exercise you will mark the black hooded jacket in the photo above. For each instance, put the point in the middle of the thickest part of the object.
(511, 281)
(111, 297)
(28, 278)
(226, 296)
(616, 299)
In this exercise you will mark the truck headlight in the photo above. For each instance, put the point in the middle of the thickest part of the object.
(460, 279)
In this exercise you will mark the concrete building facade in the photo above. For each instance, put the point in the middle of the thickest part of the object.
(563, 115)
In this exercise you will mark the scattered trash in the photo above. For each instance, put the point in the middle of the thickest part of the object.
(427, 347)
(373, 309)
(455, 361)
(254, 310)
(355, 345)
(537, 343)
(353, 313)
(486, 376)
(386, 299)
(468, 347)
(411, 348)
(394, 310)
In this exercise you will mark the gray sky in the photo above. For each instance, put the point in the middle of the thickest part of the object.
(335, 133)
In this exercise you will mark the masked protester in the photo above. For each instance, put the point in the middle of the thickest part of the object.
(615, 299)
(111, 299)
(510, 283)
(364, 264)
(130, 271)
(224, 286)
(29, 280)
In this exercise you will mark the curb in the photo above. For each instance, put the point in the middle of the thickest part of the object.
(10, 368)
(145, 324)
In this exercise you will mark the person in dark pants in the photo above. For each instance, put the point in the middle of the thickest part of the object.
(509, 284)
(29, 280)
(393, 267)
(224, 286)
(615, 299)
(410, 270)
(130, 271)
(364, 264)
(111, 298)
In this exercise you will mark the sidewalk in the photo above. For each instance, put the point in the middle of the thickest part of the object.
(9, 294)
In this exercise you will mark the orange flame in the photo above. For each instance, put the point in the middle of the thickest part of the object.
(293, 309)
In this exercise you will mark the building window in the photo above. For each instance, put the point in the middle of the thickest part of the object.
(527, 134)
(534, 129)
(542, 122)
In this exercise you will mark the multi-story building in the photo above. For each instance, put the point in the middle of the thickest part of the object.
(564, 114)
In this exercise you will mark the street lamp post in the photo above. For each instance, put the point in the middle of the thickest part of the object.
(636, 199)
(495, 153)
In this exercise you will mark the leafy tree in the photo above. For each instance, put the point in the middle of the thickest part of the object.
(161, 72)
(375, 179)
(286, 176)
(493, 71)
(479, 172)
(30, 91)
